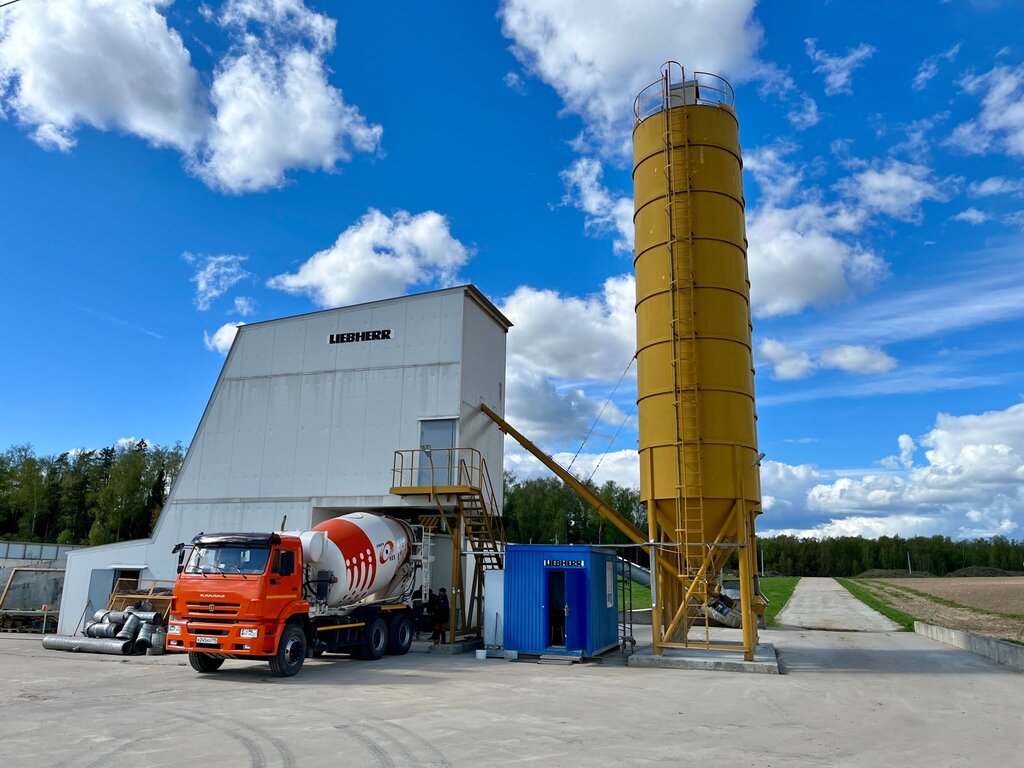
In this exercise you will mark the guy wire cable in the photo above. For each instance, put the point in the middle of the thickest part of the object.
(599, 415)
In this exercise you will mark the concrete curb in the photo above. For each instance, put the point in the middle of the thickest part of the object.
(999, 651)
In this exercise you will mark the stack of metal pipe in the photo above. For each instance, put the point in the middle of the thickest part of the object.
(133, 630)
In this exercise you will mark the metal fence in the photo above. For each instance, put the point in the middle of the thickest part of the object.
(33, 550)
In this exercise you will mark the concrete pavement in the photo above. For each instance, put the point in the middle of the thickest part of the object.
(819, 603)
(847, 699)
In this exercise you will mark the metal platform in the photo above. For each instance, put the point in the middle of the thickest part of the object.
(765, 660)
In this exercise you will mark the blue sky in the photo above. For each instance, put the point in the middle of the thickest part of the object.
(168, 170)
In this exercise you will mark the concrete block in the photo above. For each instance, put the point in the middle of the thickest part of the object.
(765, 660)
(999, 651)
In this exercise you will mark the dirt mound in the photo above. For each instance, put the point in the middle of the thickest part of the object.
(882, 573)
(982, 570)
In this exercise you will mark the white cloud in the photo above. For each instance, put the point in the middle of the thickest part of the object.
(894, 189)
(622, 467)
(971, 484)
(274, 107)
(109, 64)
(604, 212)
(784, 490)
(222, 338)
(573, 338)
(996, 185)
(930, 67)
(598, 54)
(806, 116)
(1000, 124)
(117, 65)
(854, 358)
(799, 257)
(787, 364)
(515, 82)
(972, 216)
(377, 257)
(838, 70)
(244, 306)
(215, 275)
(559, 414)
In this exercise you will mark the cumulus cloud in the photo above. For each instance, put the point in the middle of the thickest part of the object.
(118, 65)
(999, 125)
(597, 55)
(215, 275)
(996, 185)
(854, 358)
(602, 338)
(838, 70)
(221, 339)
(556, 413)
(970, 485)
(108, 64)
(801, 256)
(274, 109)
(515, 82)
(377, 257)
(930, 67)
(604, 212)
(895, 189)
(621, 467)
(784, 490)
(787, 364)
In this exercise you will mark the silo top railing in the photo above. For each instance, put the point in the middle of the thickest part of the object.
(673, 89)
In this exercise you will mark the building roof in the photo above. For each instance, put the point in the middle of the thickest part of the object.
(469, 289)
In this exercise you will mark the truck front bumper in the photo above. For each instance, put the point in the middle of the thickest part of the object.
(239, 639)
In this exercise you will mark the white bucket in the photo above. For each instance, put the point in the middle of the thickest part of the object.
(481, 654)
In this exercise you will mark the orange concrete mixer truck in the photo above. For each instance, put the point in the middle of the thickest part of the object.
(280, 597)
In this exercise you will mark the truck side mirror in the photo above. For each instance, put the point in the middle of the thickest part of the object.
(179, 550)
(285, 563)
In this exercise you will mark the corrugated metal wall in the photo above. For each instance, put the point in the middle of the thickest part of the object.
(526, 596)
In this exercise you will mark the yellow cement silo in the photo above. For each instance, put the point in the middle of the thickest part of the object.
(699, 474)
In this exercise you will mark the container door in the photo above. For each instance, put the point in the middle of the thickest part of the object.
(575, 610)
(555, 614)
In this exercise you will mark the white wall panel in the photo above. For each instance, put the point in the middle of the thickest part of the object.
(219, 440)
(249, 439)
(277, 477)
(318, 353)
(256, 345)
(312, 449)
(289, 346)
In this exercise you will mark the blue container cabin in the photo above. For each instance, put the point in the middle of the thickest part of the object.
(560, 599)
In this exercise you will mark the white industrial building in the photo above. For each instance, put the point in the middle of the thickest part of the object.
(304, 422)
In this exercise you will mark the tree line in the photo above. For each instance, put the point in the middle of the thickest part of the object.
(85, 496)
(546, 511)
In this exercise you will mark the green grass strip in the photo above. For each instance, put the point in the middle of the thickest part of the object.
(905, 620)
(778, 590)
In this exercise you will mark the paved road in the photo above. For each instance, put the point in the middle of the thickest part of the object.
(850, 699)
(824, 604)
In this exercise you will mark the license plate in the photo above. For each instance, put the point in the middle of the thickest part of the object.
(206, 640)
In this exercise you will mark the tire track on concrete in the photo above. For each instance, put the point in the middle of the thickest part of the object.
(257, 759)
(379, 753)
(438, 759)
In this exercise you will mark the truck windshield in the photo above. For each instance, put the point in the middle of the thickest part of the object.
(228, 559)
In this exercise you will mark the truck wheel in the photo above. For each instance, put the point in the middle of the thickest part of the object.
(375, 643)
(291, 652)
(400, 636)
(204, 662)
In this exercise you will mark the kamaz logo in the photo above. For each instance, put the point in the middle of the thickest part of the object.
(345, 338)
(210, 595)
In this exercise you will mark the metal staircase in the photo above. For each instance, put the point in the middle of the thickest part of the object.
(468, 508)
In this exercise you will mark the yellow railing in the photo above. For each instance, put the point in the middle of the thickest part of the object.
(422, 467)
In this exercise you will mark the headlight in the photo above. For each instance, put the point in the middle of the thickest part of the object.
(250, 633)
(174, 629)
